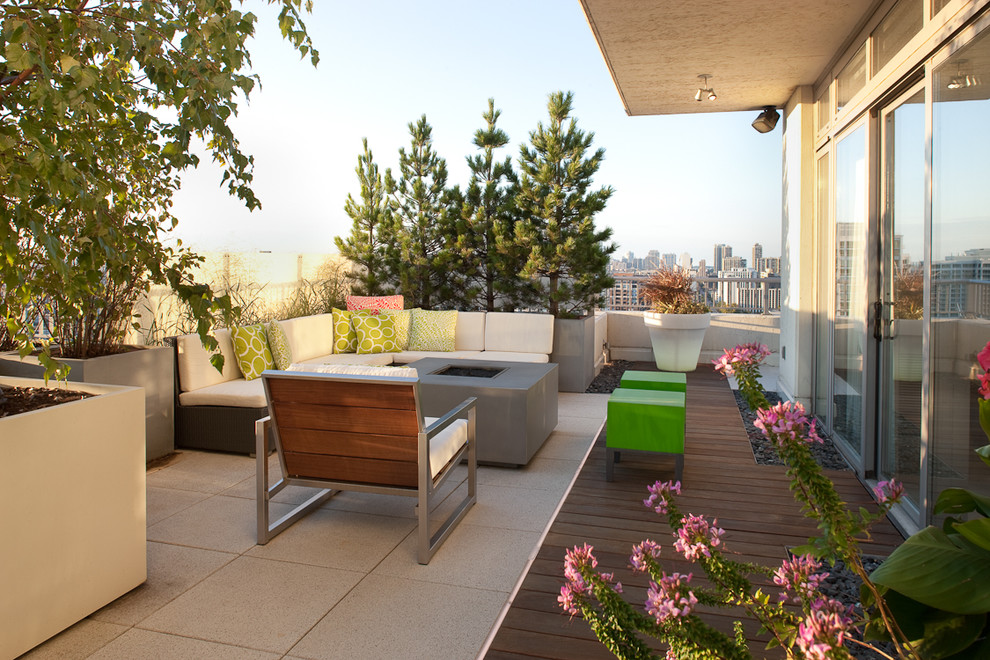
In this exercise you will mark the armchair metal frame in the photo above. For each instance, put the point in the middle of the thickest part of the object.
(340, 432)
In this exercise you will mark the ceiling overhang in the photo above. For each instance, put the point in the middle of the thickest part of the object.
(756, 51)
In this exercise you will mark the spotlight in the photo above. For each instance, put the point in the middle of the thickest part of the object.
(766, 120)
(705, 91)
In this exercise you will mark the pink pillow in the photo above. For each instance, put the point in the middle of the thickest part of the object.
(355, 303)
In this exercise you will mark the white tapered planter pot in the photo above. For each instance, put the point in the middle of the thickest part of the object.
(676, 339)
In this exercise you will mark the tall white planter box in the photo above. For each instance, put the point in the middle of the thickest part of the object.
(152, 368)
(676, 339)
(73, 512)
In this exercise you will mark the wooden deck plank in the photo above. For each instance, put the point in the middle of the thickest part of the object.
(752, 502)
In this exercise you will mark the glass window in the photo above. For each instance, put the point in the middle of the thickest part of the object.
(824, 282)
(824, 109)
(960, 265)
(851, 79)
(849, 311)
(895, 30)
(938, 5)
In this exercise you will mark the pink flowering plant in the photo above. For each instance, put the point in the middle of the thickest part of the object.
(798, 617)
(743, 362)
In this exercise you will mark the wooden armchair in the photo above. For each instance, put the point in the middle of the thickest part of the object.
(340, 432)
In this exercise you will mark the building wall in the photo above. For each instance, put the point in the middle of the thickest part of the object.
(797, 241)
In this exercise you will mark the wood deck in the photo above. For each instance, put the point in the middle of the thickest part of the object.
(752, 503)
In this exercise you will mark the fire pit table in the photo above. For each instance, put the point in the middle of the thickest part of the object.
(517, 402)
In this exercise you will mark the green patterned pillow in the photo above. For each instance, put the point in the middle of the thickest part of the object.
(344, 337)
(251, 349)
(375, 334)
(403, 319)
(432, 330)
(279, 345)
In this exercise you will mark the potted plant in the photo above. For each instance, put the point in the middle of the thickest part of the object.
(675, 321)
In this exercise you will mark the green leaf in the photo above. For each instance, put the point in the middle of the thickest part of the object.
(984, 405)
(984, 451)
(930, 568)
(976, 531)
(960, 500)
(948, 634)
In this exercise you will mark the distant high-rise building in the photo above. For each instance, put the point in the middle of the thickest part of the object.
(757, 255)
(702, 268)
(768, 265)
(721, 252)
(669, 260)
(732, 263)
(685, 261)
(652, 261)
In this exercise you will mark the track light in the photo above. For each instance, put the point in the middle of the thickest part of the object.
(766, 120)
(705, 91)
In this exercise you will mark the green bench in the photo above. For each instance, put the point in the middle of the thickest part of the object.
(646, 414)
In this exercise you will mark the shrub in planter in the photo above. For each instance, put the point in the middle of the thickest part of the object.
(676, 322)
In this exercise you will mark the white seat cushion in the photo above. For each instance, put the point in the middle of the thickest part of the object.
(369, 359)
(517, 332)
(405, 357)
(509, 356)
(195, 370)
(309, 336)
(446, 443)
(238, 393)
(469, 335)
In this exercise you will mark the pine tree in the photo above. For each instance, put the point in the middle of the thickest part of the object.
(372, 224)
(486, 231)
(424, 223)
(567, 256)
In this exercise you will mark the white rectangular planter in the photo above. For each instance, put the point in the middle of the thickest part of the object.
(152, 368)
(73, 514)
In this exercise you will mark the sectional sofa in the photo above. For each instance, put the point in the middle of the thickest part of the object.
(217, 410)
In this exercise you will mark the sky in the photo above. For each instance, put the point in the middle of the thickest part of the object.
(682, 182)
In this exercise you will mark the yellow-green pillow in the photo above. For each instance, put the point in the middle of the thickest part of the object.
(403, 319)
(279, 345)
(432, 330)
(344, 337)
(251, 349)
(375, 334)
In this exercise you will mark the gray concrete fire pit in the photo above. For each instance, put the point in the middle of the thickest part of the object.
(517, 402)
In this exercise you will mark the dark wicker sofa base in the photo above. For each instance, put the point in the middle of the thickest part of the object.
(217, 428)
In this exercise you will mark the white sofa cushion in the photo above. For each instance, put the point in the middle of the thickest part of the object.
(371, 359)
(405, 357)
(509, 356)
(195, 370)
(238, 393)
(516, 332)
(446, 443)
(470, 332)
(309, 336)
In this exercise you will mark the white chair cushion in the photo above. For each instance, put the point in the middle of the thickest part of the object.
(309, 336)
(509, 356)
(355, 369)
(445, 444)
(517, 332)
(195, 370)
(405, 357)
(238, 393)
(370, 359)
(469, 335)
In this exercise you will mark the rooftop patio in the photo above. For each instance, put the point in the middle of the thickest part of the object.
(344, 582)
